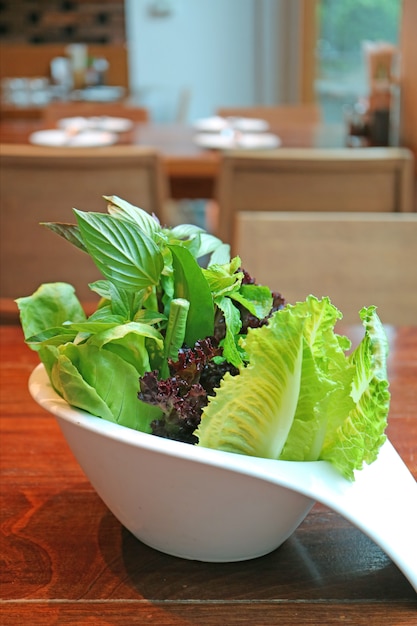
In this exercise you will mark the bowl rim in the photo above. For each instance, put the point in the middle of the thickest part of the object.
(284, 473)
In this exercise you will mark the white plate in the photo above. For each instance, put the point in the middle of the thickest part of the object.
(61, 138)
(97, 122)
(226, 141)
(216, 124)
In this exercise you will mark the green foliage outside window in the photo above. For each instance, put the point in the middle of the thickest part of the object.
(345, 24)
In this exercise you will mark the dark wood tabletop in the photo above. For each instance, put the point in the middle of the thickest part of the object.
(67, 560)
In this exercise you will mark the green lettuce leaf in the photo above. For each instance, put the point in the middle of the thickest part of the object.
(301, 397)
(49, 306)
(101, 382)
(224, 279)
(323, 359)
(354, 437)
(257, 299)
(252, 413)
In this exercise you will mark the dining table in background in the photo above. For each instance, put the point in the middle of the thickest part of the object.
(67, 560)
(192, 170)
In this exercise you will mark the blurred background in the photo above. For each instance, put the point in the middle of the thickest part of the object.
(184, 59)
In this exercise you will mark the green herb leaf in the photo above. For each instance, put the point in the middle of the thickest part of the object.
(177, 323)
(70, 232)
(224, 279)
(220, 255)
(190, 284)
(122, 209)
(122, 251)
(255, 298)
(231, 351)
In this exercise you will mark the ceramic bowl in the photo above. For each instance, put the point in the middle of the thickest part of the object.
(182, 500)
(208, 505)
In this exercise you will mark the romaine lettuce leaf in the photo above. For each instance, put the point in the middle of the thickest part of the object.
(301, 397)
(354, 437)
(252, 413)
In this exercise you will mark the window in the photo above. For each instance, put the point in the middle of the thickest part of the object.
(340, 63)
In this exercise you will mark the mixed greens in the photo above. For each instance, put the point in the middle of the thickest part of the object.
(184, 344)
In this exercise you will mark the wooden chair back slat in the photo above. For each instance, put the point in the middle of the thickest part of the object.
(43, 185)
(357, 259)
(314, 179)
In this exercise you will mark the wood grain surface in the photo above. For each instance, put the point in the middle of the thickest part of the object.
(67, 560)
(191, 170)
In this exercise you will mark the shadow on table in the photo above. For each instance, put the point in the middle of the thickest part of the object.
(325, 558)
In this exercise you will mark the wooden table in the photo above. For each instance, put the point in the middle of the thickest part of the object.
(67, 560)
(192, 171)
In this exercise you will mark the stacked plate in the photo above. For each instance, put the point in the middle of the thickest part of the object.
(80, 139)
(97, 122)
(83, 132)
(234, 132)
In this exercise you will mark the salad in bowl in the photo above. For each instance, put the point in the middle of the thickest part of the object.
(197, 376)
(205, 355)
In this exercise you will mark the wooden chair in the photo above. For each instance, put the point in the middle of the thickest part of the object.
(276, 116)
(43, 185)
(357, 259)
(59, 110)
(313, 179)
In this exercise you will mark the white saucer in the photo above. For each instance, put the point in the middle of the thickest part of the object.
(248, 141)
(97, 122)
(61, 138)
(216, 124)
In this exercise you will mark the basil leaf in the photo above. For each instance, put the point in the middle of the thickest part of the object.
(122, 209)
(123, 253)
(70, 232)
(220, 255)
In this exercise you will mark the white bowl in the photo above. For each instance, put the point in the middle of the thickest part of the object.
(203, 504)
(182, 500)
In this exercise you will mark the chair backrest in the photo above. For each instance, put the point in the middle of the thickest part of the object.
(59, 110)
(313, 179)
(276, 116)
(357, 259)
(43, 185)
